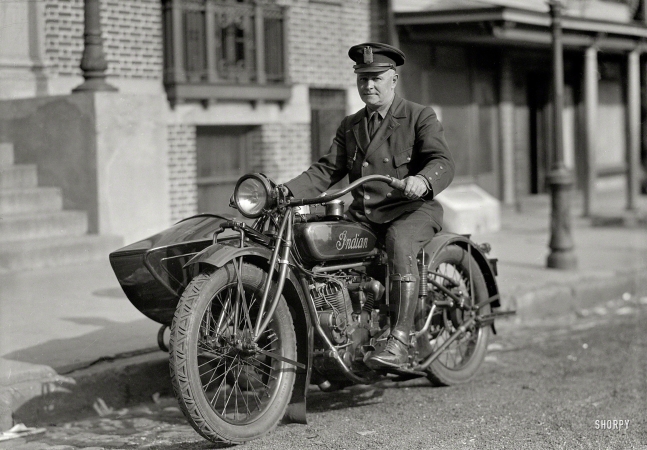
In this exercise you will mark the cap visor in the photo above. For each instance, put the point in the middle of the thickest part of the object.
(372, 69)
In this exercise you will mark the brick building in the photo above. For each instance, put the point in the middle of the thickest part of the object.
(233, 86)
(211, 89)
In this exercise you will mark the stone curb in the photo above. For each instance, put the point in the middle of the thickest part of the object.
(103, 387)
(43, 396)
(569, 298)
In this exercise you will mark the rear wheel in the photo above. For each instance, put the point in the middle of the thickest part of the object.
(226, 388)
(456, 270)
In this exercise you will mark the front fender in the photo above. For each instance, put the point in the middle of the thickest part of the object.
(217, 255)
(442, 240)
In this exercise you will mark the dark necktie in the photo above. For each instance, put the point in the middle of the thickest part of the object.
(373, 124)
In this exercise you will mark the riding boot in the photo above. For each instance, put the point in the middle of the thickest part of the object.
(403, 295)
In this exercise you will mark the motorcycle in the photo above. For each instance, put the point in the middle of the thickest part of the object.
(260, 309)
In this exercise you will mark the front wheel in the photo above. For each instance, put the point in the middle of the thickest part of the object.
(227, 389)
(457, 270)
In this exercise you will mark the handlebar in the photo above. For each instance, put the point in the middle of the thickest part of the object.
(393, 182)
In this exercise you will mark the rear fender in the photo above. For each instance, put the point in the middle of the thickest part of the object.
(218, 255)
(442, 240)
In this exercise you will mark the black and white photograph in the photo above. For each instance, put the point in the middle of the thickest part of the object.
(323, 224)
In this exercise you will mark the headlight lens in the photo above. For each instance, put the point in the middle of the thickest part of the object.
(252, 195)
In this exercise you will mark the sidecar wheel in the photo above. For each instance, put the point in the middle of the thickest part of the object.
(460, 362)
(228, 392)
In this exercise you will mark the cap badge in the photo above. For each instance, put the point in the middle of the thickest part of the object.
(368, 55)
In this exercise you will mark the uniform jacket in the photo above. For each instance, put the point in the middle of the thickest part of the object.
(410, 141)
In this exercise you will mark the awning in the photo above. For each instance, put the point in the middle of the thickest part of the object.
(474, 21)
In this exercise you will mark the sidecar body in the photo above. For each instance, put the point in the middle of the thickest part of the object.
(151, 271)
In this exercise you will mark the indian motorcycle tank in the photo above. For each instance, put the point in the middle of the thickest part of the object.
(327, 241)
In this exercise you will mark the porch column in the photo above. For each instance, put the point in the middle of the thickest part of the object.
(506, 131)
(633, 128)
(591, 101)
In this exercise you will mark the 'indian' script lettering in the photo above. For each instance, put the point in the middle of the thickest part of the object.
(346, 243)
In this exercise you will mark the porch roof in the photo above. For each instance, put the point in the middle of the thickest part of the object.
(505, 22)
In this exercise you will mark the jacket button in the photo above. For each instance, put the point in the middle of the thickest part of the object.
(408, 158)
(436, 173)
(386, 160)
(365, 164)
(389, 194)
(367, 197)
(368, 211)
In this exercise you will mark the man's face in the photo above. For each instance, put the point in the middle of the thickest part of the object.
(377, 88)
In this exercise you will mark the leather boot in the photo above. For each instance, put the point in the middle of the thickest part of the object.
(404, 295)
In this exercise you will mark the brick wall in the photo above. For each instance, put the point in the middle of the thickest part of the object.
(132, 34)
(182, 170)
(283, 150)
(321, 32)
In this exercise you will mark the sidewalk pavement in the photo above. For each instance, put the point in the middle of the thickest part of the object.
(69, 336)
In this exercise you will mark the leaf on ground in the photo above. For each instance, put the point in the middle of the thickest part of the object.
(101, 407)
(625, 310)
(366, 433)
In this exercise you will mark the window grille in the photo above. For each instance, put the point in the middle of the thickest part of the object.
(225, 49)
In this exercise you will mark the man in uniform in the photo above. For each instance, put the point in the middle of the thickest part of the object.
(396, 137)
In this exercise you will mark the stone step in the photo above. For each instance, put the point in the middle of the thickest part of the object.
(18, 176)
(6, 154)
(43, 253)
(43, 225)
(31, 200)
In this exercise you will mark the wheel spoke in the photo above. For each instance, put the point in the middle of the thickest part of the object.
(224, 381)
(266, 365)
(212, 379)
(254, 394)
(242, 394)
(227, 401)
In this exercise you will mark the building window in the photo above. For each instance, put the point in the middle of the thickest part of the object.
(222, 158)
(225, 50)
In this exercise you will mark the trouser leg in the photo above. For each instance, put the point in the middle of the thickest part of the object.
(404, 238)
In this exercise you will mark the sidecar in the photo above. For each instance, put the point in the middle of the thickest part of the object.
(151, 271)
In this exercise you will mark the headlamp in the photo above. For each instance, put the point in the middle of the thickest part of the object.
(254, 193)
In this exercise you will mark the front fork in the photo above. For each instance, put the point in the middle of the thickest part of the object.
(282, 248)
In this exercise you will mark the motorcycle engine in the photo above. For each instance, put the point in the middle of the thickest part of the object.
(334, 308)
(345, 304)
(348, 308)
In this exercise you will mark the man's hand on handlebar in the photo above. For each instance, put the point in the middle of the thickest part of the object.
(414, 188)
(284, 191)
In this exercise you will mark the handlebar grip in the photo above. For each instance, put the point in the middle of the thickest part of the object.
(397, 184)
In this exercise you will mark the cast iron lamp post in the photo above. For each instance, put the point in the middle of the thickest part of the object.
(560, 177)
(93, 61)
